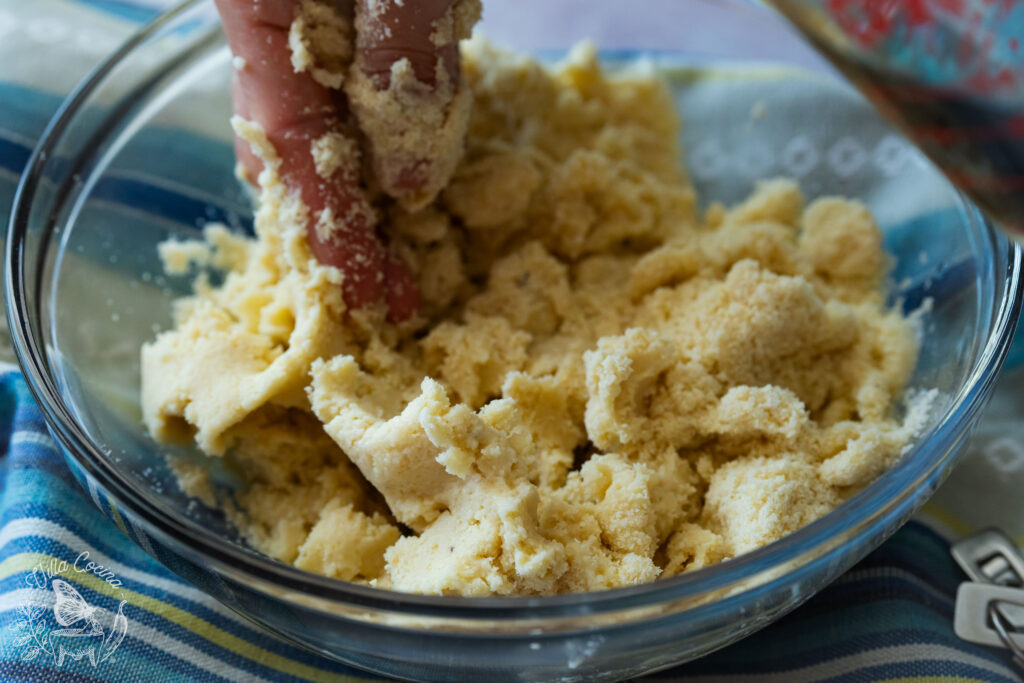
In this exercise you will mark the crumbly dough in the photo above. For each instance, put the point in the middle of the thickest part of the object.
(410, 122)
(604, 388)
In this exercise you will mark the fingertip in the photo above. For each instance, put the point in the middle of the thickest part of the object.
(414, 155)
(392, 30)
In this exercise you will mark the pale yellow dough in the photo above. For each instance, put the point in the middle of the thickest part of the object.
(605, 387)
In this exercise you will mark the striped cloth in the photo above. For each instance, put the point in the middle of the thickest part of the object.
(889, 618)
(79, 601)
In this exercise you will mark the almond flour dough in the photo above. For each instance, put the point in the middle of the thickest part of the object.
(604, 387)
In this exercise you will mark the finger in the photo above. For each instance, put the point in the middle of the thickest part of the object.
(406, 91)
(403, 294)
(297, 112)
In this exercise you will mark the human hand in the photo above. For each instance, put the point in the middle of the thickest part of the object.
(399, 64)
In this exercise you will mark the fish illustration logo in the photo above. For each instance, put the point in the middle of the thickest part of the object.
(82, 636)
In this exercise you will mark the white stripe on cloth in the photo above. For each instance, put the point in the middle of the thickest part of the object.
(26, 597)
(140, 536)
(94, 494)
(17, 138)
(23, 437)
(10, 175)
(36, 526)
(882, 656)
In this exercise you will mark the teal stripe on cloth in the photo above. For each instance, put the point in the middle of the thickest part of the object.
(24, 113)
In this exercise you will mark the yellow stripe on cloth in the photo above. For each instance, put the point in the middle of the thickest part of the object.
(932, 514)
(23, 562)
(947, 519)
(116, 516)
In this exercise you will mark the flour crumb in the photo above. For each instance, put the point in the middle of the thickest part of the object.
(320, 39)
(334, 151)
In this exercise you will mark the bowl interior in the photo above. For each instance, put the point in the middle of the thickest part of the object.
(163, 168)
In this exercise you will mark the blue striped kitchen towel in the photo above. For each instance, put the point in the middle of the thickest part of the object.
(888, 619)
(79, 601)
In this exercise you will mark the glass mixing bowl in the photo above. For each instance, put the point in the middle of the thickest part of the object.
(141, 152)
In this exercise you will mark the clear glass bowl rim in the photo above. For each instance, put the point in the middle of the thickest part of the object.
(875, 501)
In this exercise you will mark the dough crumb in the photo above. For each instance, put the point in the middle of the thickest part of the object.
(320, 39)
(333, 152)
(179, 257)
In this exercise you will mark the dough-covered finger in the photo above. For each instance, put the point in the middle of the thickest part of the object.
(317, 160)
(405, 89)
